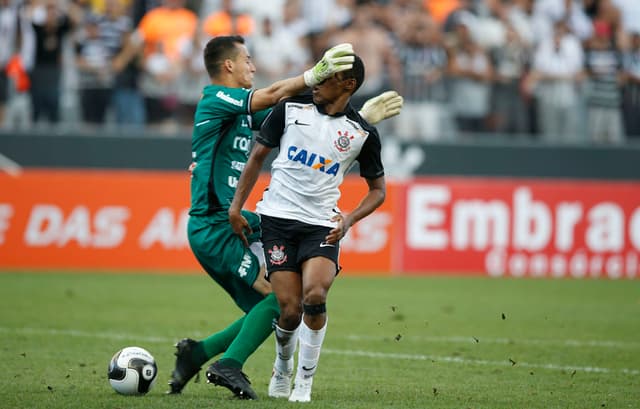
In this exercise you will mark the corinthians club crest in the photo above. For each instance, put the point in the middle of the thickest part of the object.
(278, 256)
(343, 143)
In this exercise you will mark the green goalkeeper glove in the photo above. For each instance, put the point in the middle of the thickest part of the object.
(383, 106)
(335, 59)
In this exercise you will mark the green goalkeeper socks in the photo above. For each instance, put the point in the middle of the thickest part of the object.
(217, 343)
(257, 327)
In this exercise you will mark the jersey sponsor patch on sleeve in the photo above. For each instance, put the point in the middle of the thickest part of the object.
(228, 98)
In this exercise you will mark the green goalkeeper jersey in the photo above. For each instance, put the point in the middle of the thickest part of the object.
(220, 146)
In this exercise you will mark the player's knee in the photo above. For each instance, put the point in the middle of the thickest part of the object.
(290, 315)
(315, 296)
(314, 309)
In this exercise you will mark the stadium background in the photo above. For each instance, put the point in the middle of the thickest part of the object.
(511, 209)
(90, 207)
(475, 188)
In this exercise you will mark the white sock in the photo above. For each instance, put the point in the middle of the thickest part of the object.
(285, 348)
(309, 353)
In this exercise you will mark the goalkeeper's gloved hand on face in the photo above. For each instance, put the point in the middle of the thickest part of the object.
(385, 105)
(335, 59)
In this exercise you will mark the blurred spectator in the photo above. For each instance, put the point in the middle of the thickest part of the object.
(482, 18)
(493, 65)
(139, 8)
(424, 62)
(51, 23)
(440, 9)
(17, 115)
(160, 35)
(293, 23)
(326, 15)
(95, 78)
(510, 62)
(16, 58)
(630, 15)
(631, 93)
(325, 19)
(395, 12)
(487, 25)
(571, 12)
(603, 13)
(557, 73)
(227, 21)
(159, 85)
(263, 8)
(192, 77)
(465, 10)
(374, 45)
(519, 14)
(295, 29)
(116, 27)
(603, 65)
(470, 72)
(270, 54)
(100, 40)
(207, 7)
(275, 53)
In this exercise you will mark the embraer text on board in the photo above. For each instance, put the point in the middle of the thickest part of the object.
(538, 228)
(579, 264)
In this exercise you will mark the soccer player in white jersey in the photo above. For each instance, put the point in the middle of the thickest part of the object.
(320, 136)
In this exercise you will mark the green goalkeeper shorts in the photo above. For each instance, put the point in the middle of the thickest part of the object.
(224, 256)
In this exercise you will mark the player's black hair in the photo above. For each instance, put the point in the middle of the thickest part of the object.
(356, 72)
(219, 49)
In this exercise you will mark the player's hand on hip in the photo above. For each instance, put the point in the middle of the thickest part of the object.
(240, 226)
(386, 105)
(335, 59)
(337, 233)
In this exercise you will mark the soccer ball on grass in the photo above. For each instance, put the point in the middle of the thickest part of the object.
(132, 371)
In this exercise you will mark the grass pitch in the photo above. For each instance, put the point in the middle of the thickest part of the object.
(391, 343)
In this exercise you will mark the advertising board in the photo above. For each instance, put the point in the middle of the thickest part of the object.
(502, 227)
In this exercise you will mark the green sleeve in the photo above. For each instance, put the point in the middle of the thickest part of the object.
(258, 118)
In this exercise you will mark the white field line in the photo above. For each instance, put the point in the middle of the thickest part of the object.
(458, 360)
(505, 341)
(353, 353)
(9, 166)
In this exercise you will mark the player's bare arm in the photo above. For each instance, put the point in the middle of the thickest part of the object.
(266, 97)
(373, 199)
(335, 59)
(246, 183)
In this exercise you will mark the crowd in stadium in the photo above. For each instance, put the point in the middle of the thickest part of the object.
(549, 70)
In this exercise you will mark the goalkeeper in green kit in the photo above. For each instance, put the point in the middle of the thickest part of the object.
(227, 114)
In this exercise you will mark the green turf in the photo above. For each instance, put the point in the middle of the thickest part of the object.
(391, 343)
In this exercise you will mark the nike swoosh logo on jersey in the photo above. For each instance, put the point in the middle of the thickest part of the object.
(301, 123)
(323, 244)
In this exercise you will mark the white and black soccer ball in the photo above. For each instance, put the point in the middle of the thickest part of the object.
(132, 371)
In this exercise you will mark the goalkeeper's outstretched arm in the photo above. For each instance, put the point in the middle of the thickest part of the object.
(336, 59)
(386, 105)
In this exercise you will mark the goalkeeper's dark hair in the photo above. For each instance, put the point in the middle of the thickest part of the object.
(356, 72)
(219, 49)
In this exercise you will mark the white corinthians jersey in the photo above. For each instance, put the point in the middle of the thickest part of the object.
(316, 150)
